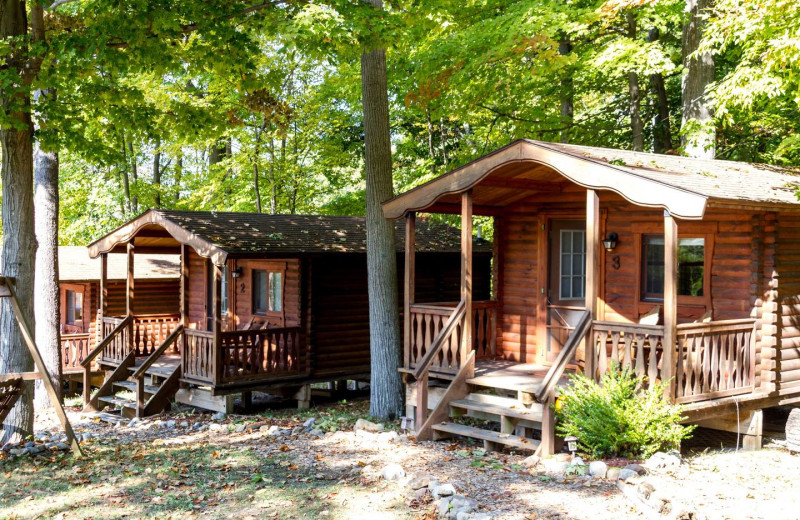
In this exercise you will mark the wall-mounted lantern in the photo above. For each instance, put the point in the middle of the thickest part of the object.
(610, 242)
(236, 273)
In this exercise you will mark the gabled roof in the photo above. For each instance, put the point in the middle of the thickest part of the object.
(216, 235)
(683, 186)
(74, 264)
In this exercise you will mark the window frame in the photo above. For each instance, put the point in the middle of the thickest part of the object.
(254, 274)
(561, 274)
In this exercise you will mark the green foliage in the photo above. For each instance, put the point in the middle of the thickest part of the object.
(619, 416)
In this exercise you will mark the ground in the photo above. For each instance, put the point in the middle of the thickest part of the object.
(196, 467)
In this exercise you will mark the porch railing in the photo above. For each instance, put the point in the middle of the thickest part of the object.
(258, 354)
(427, 322)
(147, 333)
(116, 334)
(634, 346)
(197, 355)
(74, 349)
(715, 359)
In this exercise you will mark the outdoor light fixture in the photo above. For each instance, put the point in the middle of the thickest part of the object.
(236, 273)
(572, 441)
(610, 242)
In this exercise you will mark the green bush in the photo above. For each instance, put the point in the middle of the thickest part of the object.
(619, 416)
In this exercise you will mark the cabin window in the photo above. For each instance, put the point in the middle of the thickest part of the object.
(224, 290)
(259, 291)
(275, 292)
(691, 266)
(572, 278)
(74, 307)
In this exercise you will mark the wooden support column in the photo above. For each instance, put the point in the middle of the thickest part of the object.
(185, 285)
(129, 296)
(498, 245)
(548, 445)
(466, 272)
(593, 272)
(103, 288)
(670, 301)
(216, 325)
(409, 280)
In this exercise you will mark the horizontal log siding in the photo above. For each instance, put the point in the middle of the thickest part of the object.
(196, 291)
(150, 297)
(340, 304)
(242, 293)
(787, 315)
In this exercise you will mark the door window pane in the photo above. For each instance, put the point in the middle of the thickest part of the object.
(573, 264)
(259, 291)
(224, 291)
(71, 307)
(275, 292)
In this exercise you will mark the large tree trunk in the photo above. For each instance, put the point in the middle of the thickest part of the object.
(178, 176)
(124, 177)
(19, 242)
(273, 185)
(386, 389)
(256, 157)
(567, 92)
(46, 294)
(635, 102)
(698, 134)
(135, 175)
(157, 173)
(662, 132)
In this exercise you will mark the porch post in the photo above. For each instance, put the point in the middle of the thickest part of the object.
(103, 287)
(670, 300)
(217, 324)
(408, 292)
(129, 293)
(466, 270)
(593, 273)
(184, 285)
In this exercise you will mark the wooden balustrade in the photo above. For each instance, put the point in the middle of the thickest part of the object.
(634, 346)
(74, 349)
(260, 354)
(116, 350)
(715, 359)
(197, 355)
(427, 321)
(151, 331)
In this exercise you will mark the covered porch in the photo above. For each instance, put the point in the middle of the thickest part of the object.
(560, 303)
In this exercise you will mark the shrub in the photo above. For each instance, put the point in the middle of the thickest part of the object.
(619, 416)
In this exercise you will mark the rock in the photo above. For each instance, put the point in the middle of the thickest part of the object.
(34, 450)
(563, 457)
(460, 503)
(473, 516)
(134, 422)
(554, 467)
(316, 432)
(638, 468)
(184, 424)
(577, 461)
(626, 473)
(613, 473)
(662, 460)
(432, 485)
(443, 507)
(598, 468)
(297, 430)
(30, 444)
(171, 425)
(42, 436)
(388, 437)
(63, 446)
(369, 426)
(17, 452)
(419, 482)
(443, 490)
(393, 472)
(282, 432)
(197, 426)
(240, 428)
(531, 462)
(309, 423)
(220, 416)
(215, 427)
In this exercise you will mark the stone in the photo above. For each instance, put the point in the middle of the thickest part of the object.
(369, 426)
(531, 462)
(215, 427)
(626, 473)
(638, 468)
(443, 490)
(283, 431)
(577, 461)
(171, 425)
(220, 416)
(443, 507)
(309, 423)
(563, 457)
(316, 432)
(460, 502)
(393, 472)
(184, 424)
(240, 428)
(419, 482)
(613, 473)
(134, 422)
(35, 450)
(297, 430)
(197, 426)
(388, 437)
(555, 467)
(30, 444)
(598, 468)
(17, 452)
(662, 460)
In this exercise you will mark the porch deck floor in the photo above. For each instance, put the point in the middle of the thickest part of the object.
(508, 375)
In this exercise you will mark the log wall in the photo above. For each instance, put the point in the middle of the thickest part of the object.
(787, 310)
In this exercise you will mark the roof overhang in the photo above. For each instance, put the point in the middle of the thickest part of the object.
(583, 171)
(128, 231)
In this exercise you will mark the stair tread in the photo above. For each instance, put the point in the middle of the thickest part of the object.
(487, 435)
(118, 401)
(131, 385)
(534, 414)
(162, 371)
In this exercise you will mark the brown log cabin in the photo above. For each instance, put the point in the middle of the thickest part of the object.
(684, 270)
(265, 303)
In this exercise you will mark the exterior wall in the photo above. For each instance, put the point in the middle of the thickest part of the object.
(150, 297)
(786, 315)
(240, 310)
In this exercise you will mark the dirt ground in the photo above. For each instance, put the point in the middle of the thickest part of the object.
(200, 468)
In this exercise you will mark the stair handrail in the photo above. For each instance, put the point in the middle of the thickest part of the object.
(424, 364)
(87, 361)
(560, 364)
(157, 353)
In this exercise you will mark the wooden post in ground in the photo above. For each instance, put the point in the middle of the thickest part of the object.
(216, 327)
(129, 293)
(422, 402)
(670, 302)
(593, 272)
(548, 445)
(408, 292)
(103, 289)
(185, 285)
(466, 272)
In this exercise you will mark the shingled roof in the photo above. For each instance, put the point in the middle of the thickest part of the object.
(218, 234)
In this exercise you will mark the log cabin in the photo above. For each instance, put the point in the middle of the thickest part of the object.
(267, 303)
(684, 270)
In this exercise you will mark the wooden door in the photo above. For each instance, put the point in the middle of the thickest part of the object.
(566, 286)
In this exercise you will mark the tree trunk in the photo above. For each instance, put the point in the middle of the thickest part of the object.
(567, 92)
(637, 126)
(386, 389)
(178, 176)
(698, 134)
(273, 186)
(126, 181)
(256, 156)
(431, 150)
(157, 173)
(135, 175)
(19, 241)
(662, 131)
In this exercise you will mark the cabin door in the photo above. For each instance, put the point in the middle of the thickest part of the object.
(566, 282)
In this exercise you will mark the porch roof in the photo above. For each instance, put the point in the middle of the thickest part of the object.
(681, 185)
(216, 235)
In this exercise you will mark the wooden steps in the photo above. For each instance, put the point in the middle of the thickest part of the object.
(533, 414)
(445, 430)
(113, 400)
(131, 386)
